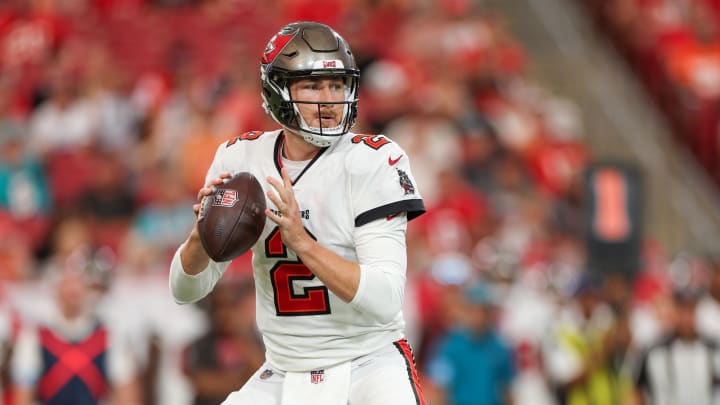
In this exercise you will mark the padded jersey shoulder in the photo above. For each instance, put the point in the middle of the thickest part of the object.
(366, 151)
(247, 138)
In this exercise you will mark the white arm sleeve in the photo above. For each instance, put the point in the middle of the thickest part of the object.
(380, 247)
(187, 289)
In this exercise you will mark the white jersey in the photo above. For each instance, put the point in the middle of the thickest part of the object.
(360, 179)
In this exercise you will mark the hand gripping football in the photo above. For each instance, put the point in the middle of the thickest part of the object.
(231, 219)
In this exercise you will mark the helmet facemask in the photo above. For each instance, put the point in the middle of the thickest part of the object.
(291, 117)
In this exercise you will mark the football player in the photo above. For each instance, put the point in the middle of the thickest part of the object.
(329, 267)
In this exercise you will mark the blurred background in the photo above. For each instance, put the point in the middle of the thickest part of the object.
(567, 151)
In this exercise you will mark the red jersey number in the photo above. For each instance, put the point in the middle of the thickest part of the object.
(288, 301)
(374, 141)
(247, 136)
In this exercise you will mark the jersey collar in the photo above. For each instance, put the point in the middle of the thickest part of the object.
(278, 152)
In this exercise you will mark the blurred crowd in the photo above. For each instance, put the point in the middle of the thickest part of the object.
(111, 111)
(674, 47)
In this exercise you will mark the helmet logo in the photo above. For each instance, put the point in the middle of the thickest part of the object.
(273, 48)
(328, 64)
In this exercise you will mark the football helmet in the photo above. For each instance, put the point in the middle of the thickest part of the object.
(303, 50)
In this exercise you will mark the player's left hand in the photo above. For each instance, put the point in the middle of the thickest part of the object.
(291, 227)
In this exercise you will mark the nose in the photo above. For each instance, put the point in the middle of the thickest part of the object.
(325, 94)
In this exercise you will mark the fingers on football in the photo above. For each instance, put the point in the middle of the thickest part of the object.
(205, 191)
(221, 178)
(212, 187)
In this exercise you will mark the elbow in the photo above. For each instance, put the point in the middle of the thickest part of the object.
(182, 301)
(189, 289)
(381, 311)
(381, 314)
(375, 283)
(183, 296)
(387, 314)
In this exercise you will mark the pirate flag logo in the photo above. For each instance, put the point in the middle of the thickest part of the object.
(405, 182)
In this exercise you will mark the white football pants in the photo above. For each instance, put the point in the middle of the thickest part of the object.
(387, 376)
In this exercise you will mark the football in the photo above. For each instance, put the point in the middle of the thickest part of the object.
(231, 219)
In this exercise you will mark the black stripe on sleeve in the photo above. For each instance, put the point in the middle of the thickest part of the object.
(414, 209)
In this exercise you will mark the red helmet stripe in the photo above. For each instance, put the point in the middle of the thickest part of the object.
(273, 48)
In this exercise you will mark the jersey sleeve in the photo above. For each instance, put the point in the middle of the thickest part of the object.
(380, 247)
(187, 288)
(382, 183)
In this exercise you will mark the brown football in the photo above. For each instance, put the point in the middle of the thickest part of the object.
(231, 219)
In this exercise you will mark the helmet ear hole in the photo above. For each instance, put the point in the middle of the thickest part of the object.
(286, 114)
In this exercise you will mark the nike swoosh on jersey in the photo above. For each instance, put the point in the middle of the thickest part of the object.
(392, 161)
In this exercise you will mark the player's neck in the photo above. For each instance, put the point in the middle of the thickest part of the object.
(295, 148)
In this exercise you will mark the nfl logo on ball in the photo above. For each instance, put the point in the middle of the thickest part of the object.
(316, 377)
(225, 198)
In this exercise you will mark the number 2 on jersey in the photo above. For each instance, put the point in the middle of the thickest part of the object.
(312, 301)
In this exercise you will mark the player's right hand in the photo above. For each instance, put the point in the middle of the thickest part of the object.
(209, 189)
(193, 256)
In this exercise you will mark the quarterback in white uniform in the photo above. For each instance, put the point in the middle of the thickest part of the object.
(329, 267)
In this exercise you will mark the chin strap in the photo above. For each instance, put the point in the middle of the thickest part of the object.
(316, 136)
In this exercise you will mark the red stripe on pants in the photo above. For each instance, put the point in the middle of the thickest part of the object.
(404, 349)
